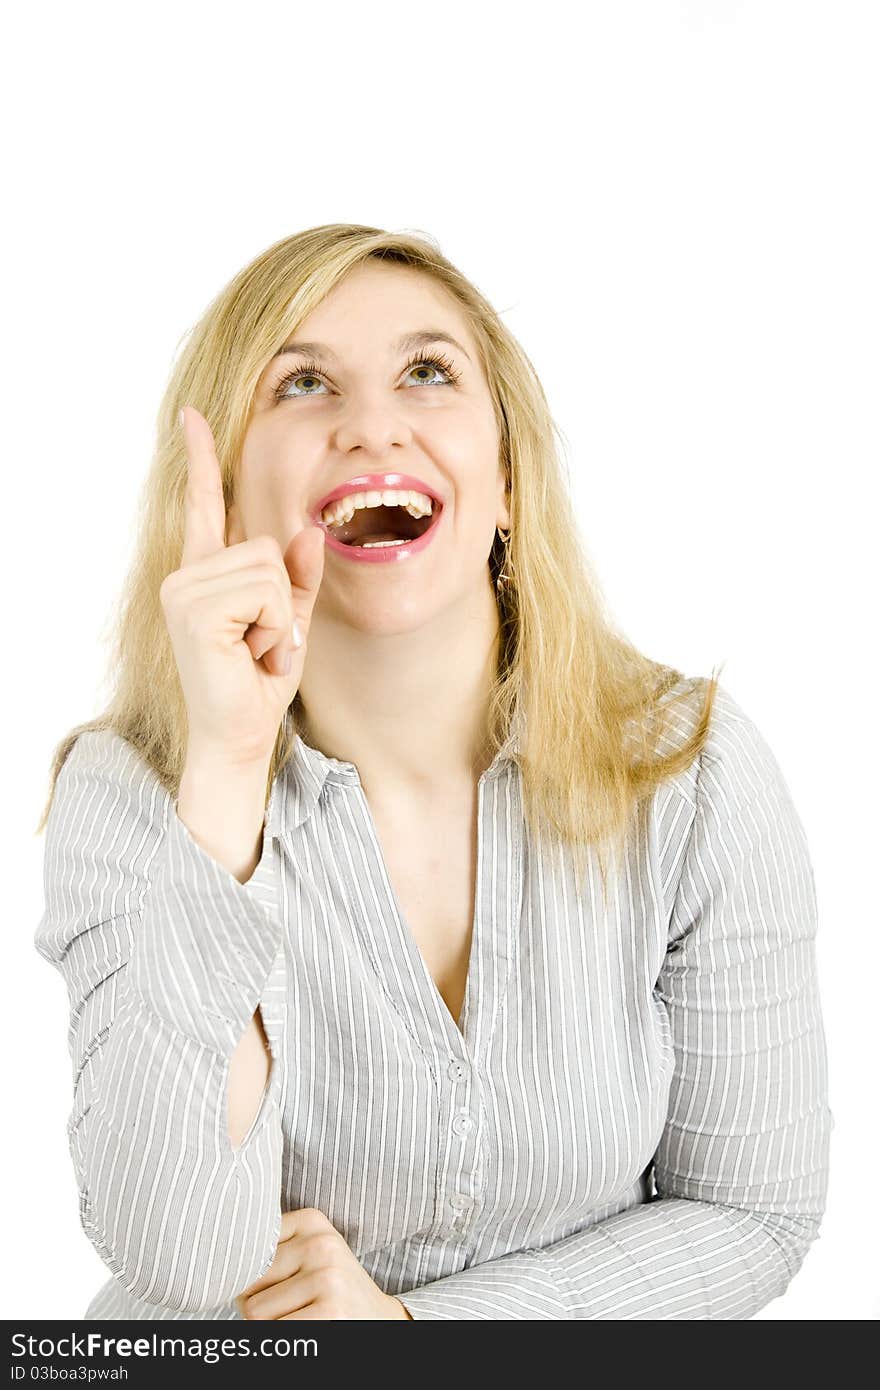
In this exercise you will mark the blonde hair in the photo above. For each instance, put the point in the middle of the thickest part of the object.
(589, 705)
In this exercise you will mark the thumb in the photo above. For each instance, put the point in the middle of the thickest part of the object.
(304, 560)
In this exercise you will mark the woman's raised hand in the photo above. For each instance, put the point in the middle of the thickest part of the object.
(230, 610)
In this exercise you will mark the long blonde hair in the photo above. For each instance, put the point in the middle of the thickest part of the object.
(590, 706)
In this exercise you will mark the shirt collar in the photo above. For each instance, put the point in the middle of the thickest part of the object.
(300, 783)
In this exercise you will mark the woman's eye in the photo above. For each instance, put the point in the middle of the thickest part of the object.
(310, 375)
(426, 366)
(300, 376)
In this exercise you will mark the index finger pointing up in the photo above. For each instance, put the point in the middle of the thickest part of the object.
(204, 508)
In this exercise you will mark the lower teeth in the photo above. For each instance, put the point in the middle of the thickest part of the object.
(371, 545)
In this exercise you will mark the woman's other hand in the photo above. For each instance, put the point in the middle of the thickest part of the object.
(315, 1276)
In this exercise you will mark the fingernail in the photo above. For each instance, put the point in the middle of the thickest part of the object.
(297, 634)
(286, 664)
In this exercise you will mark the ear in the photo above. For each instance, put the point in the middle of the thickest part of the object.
(502, 518)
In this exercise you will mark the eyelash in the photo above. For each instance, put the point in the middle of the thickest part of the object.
(417, 360)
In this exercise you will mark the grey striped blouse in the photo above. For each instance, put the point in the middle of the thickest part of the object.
(632, 1122)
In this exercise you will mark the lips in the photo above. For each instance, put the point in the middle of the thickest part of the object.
(385, 555)
(375, 482)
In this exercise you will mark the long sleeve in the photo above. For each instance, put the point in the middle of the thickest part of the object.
(741, 1170)
(165, 955)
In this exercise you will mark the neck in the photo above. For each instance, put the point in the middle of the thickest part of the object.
(409, 709)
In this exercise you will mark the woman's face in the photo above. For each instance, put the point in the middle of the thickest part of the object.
(369, 412)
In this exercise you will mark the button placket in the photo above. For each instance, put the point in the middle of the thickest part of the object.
(460, 1211)
(462, 1197)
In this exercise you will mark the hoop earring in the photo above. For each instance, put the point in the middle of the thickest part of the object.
(504, 580)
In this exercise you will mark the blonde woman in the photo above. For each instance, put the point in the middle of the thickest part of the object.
(432, 952)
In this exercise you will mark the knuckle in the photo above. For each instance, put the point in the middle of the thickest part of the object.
(167, 588)
(325, 1244)
(314, 1215)
(272, 579)
(190, 623)
(267, 548)
(268, 588)
(268, 571)
(331, 1281)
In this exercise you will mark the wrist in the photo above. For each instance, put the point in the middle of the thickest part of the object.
(223, 806)
(208, 757)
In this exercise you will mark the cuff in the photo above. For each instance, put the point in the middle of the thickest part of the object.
(520, 1285)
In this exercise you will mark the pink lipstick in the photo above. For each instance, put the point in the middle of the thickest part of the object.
(392, 552)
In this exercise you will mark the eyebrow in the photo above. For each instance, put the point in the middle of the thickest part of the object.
(419, 339)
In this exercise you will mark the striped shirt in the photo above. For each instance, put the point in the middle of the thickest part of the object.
(629, 1121)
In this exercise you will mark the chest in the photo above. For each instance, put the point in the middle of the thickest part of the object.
(431, 860)
(548, 1104)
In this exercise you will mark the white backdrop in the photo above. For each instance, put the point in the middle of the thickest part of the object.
(674, 207)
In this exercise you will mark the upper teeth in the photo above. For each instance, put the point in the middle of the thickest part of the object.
(344, 508)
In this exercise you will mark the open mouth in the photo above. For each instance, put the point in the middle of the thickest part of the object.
(383, 527)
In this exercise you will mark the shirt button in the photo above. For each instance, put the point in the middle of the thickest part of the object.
(462, 1124)
(460, 1203)
(455, 1071)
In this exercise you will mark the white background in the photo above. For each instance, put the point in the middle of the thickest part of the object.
(672, 204)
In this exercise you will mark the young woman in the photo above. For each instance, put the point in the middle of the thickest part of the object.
(432, 952)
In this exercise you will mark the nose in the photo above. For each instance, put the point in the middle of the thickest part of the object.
(372, 424)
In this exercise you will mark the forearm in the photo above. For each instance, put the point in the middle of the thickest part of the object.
(179, 1216)
(158, 1116)
(668, 1259)
(223, 809)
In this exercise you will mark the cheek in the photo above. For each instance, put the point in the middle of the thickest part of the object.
(267, 486)
(467, 448)
(473, 525)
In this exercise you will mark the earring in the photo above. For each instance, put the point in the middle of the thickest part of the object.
(504, 580)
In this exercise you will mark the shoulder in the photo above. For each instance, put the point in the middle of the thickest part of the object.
(738, 766)
(108, 818)
(735, 747)
(747, 875)
(735, 780)
(104, 787)
(742, 800)
(105, 752)
(102, 777)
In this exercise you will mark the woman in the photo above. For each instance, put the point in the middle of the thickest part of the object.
(432, 952)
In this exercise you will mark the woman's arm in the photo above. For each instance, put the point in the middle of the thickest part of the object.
(165, 954)
(742, 1167)
(226, 818)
